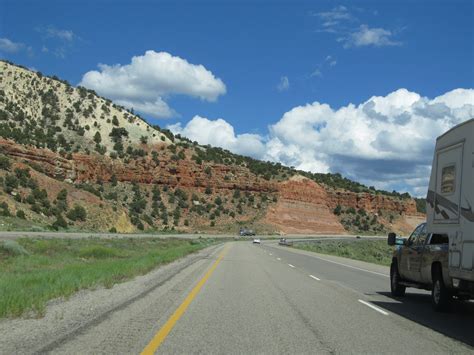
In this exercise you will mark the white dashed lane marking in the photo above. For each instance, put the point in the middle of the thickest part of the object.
(374, 307)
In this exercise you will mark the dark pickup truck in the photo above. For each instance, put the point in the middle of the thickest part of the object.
(421, 261)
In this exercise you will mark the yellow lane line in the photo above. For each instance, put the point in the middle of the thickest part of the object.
(161, 335)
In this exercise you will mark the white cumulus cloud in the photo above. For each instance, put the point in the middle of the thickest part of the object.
(220, 133)
(386, 141)
(148, 80)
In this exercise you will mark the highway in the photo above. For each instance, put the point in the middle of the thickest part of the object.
(84, 235)
(240, 298)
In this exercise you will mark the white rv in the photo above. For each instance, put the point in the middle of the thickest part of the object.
(450, 200)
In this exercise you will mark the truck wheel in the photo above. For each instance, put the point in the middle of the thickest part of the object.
(395, 287)
(440, 295)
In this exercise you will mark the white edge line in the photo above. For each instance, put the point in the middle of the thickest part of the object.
(352, 267)
(374, 307)
(314, 277)
(291, 265)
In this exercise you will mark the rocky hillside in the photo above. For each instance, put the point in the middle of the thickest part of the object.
(71, 159)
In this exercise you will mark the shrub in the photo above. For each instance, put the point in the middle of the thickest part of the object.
(10, 183)
(4, 210)
(117, 133)
(20, 214)
(60, 222)
(4, 163)
(78, 213)
(62, 195)
(236, 194)
(111, 196)
(351, 210)
(140, 225)
(113, 230)
(337, 211)
(12, 247)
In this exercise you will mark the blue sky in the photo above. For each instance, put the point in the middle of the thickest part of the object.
(272, 57)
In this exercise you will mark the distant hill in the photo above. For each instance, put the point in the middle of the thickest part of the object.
(72, 159)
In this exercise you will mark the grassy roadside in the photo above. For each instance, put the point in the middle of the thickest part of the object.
(34, 271)
(372, 251)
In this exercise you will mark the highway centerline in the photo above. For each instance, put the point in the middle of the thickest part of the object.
(374, 307)
(161, 335)
(278, 259)
(314, 277)
(291, 265)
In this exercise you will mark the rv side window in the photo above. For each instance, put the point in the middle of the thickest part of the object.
(448, 179)
(439, 239)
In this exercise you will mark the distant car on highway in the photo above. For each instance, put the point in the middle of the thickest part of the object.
(284, 241)
(246, 232)
(256, 241)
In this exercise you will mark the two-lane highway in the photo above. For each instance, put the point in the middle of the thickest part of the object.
(244, 298)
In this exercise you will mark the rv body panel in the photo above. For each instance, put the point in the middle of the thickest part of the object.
(451, 197)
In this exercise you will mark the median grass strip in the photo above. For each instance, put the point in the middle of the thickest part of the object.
(34, 271)
(372, 251)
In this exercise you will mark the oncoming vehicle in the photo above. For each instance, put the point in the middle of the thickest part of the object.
(439, 254)
(256, 241)
(284, 241)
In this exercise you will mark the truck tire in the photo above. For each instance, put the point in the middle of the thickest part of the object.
(396, 288)
(440, 295)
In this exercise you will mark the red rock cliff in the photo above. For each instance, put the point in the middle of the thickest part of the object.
(303, 208)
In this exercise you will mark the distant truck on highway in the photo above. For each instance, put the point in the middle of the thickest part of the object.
(439, 254)
(243, 232)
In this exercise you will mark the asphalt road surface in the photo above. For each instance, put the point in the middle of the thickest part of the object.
(247, 299)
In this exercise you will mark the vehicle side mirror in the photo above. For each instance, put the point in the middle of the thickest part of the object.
(391, 240)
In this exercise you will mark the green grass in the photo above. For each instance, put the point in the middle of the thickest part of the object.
(372, 251)
(17, 224)
(34, 271)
